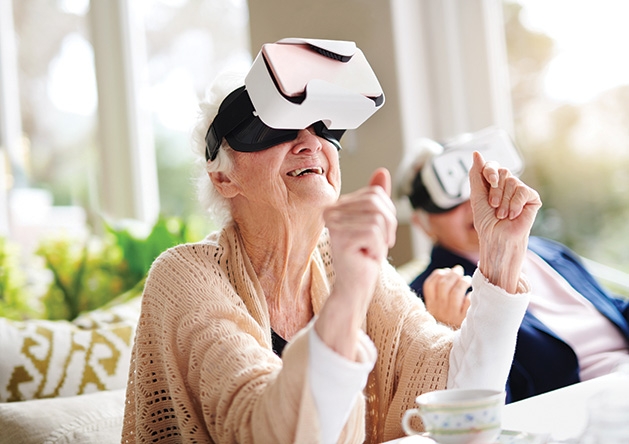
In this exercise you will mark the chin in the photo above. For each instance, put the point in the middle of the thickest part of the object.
(322, 199)
(329, 197)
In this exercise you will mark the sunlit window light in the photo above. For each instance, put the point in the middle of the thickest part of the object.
(78, 7)
(174, 100)
(72, 82)
(591, 40)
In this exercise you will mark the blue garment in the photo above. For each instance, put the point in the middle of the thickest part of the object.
(542, 361)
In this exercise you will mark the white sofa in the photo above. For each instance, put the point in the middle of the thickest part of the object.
(93, 418)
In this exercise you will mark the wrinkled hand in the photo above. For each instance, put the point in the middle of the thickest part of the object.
(362, 227)
(504, 210)
(445, 295)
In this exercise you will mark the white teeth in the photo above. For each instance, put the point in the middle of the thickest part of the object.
(311, 170)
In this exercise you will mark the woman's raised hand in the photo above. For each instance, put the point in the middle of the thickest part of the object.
(362, 227)
(504, 210)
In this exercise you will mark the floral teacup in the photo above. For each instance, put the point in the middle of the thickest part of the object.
(458, 416)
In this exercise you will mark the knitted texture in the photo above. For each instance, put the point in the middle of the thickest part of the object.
(203, 370)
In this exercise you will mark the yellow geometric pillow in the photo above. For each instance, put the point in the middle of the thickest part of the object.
(47, 359)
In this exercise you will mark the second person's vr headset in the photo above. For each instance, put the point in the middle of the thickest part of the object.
(443, 182)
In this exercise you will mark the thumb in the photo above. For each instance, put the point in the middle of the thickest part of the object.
(477, 181)
(382, 178)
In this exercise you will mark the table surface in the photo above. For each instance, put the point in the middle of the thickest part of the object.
(561, 413)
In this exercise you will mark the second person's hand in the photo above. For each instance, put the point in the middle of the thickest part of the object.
(445, 295)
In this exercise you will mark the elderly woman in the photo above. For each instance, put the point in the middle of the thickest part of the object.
(294, 264)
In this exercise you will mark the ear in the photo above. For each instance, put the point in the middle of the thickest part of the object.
(223, 184)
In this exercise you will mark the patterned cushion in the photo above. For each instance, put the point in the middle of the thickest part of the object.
(47, 359)
(127, 313)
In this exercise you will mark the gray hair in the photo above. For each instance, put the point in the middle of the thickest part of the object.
(209, 197)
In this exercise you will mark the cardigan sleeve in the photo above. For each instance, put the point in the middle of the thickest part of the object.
(337, 382)
(413, 352)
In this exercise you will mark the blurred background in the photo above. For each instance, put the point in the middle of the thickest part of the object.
(98, 97)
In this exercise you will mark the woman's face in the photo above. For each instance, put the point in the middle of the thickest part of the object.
(290, 177)
(454, 229)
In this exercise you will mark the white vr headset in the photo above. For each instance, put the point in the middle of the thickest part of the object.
(294, 84)
(443, 182)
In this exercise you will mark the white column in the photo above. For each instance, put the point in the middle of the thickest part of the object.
(454, 52)
(451, 64)
(127, 166)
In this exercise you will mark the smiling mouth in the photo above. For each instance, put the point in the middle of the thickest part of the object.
(306, 171)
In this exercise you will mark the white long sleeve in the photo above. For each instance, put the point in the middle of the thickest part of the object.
(336, 382)
(483, 347)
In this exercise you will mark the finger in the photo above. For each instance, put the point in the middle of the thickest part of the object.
(476, 179)
(349, 239)
(382, 178)
(372, 198)
(491, 173)
(430, 285)
(367, 231)
(495, 193)
(458, 269)
(479, 186)
(466, 305)
(366, 200)
(463, 285)
(521, 197)
(452, 287)
(484, 170)
(509, 186)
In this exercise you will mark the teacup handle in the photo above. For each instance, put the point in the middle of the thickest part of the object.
(406, 422)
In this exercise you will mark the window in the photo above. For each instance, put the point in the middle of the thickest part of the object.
(188, 43)
(54, 168)
(52, 163)
(570, 91)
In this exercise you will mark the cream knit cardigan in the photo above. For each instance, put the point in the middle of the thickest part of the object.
(203, 370)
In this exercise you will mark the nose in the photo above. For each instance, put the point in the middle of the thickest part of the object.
(307, 141)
